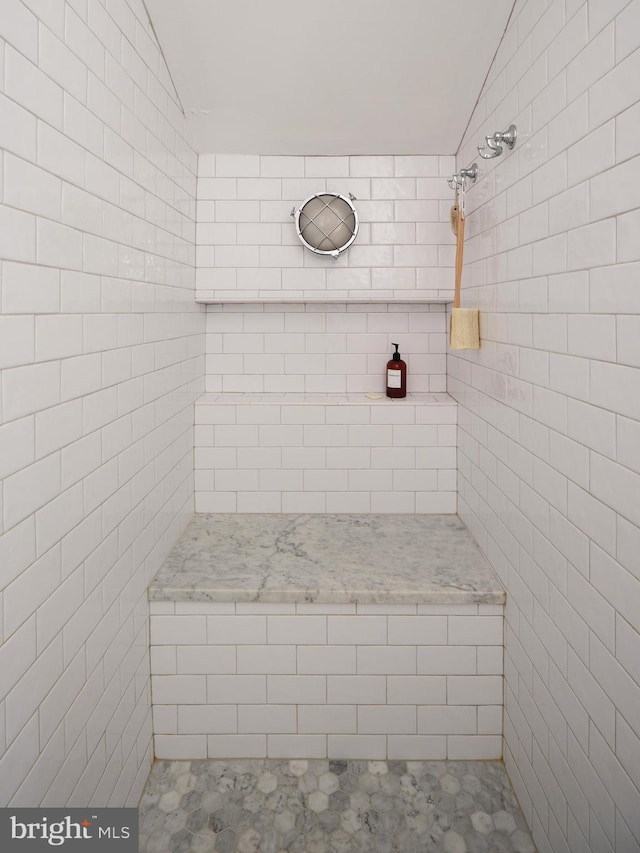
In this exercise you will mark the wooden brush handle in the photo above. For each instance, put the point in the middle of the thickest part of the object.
(459, 257)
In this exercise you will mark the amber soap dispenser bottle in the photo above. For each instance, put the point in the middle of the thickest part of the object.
(396, 375)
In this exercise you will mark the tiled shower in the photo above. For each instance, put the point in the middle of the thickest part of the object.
(112, 225)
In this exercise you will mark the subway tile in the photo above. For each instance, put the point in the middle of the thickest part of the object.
(326, 480)
(266, 608)
(387, 719)
(490, 660)
(627, 250)
(436, 502)
(447, 720)
(324, 609)
(627, 345)
(258, 188)
(414, 481)
(613, 388)
(357, 746)
(326, 660)
(26, 84)
(280, 660)
(207, 719)
(205, 660)
(163, 660)
(627, 642)
(593, 609)
(237, 165)
(266, 719)
(180, 746)
(326, 167)
(383, 660)
(625, 128)
(356, 630)
(292, 746)
(303, 502)
(446, 660)
(615, 486)
(217, 188)
(17, 345)
(238, 746)
(395, 457)
(389, 501)
(296, 689)
(300, 630)
(371, 166)
(417, 630)
(334, 435)
(372, 481)
(614, 92)
(229, 630)
(406, 747)
(179, 689)
(357, 689)
(592, 697)
(627, 443)
(450, 609)
(477, 630)
(348, 502)
(165, 719)
(474, 689)
(327, 719)
(416, 690)
(18, 235)
(281, 167)
(18, 654)
(470, 747)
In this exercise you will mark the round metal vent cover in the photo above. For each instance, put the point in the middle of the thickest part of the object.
(327, 223)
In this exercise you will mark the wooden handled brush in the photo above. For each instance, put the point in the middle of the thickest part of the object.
(465, 322)
(453, 214)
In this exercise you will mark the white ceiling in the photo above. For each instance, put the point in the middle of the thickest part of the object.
(329, 77)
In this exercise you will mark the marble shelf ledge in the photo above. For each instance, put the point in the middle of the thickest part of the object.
(417, 398)
(361, 559)
(211, 297)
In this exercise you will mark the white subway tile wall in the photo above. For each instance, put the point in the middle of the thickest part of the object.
(368, 681)
(101, 357)
(318, 453)
(248, 248)
(549, 473)
(323, 349)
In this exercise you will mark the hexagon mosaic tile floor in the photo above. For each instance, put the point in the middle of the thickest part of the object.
(271, 806)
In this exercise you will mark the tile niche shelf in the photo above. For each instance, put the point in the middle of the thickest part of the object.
(292, 297)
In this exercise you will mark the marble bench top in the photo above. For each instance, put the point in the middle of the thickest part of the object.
(365, 559)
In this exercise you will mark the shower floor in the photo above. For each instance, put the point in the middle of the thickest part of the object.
(320, 806)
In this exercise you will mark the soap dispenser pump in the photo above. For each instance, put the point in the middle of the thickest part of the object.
(396, 375)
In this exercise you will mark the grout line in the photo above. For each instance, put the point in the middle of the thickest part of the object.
(164, 59)
(486, 77)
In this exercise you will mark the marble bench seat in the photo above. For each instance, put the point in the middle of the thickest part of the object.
(333, 559)
(341, 636)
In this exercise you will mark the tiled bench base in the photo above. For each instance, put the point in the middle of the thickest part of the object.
(256, 680)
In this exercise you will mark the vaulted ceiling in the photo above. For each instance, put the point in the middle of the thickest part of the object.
(329, 77)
